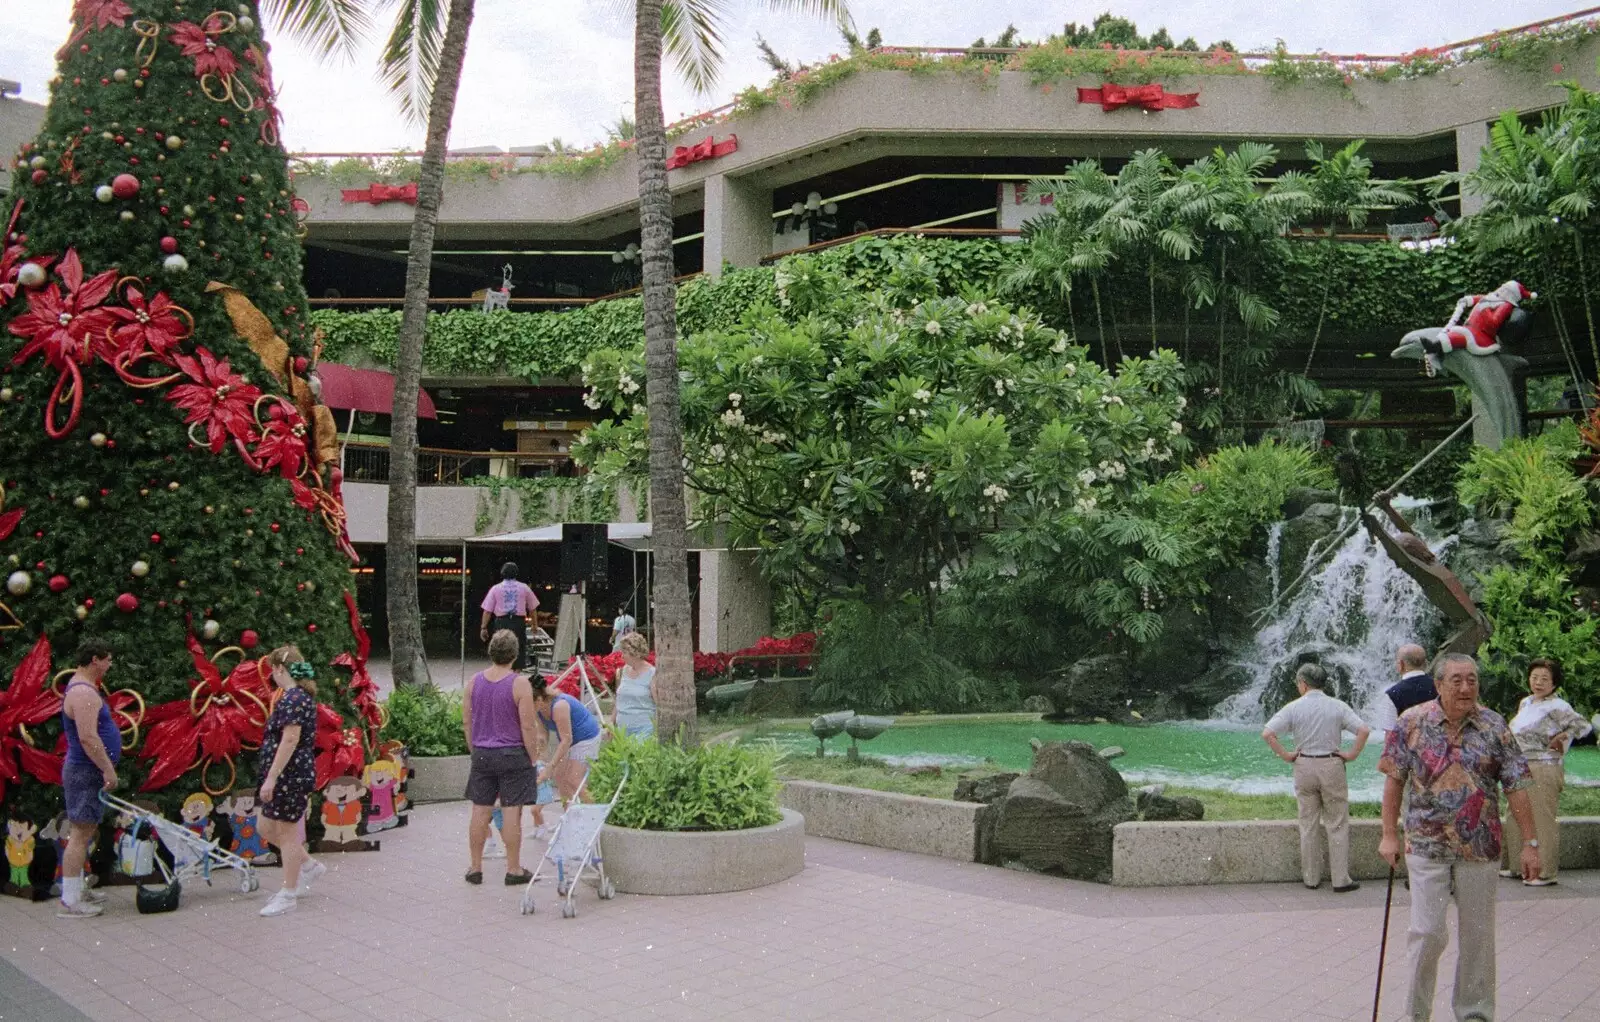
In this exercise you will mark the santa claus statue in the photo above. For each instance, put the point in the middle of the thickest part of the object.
(1486, 315)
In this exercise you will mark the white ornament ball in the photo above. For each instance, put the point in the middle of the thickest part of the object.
(126, 216)
(37, 163)
(19, 583)
(174, 486)
(104, 194)
(140, 569)
(175, 263)
(120, 75)
(6, 394)
(13, 560)
(80, 612)
(187, 210)
(31, 275)
(97, 440)
(175, 143)
(246, 24)
(311, 587)
(81, 503)
(210, 629)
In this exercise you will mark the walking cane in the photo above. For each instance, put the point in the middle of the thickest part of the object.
(1383, 945)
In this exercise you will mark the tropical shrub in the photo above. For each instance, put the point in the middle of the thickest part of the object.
(709, 787)
(885, 660)
(427, 721)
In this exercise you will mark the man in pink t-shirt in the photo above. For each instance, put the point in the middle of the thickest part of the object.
(508, 604)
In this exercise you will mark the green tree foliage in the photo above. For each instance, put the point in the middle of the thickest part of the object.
(146, 173)
(1536, 610)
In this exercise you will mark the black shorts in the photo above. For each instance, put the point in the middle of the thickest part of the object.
(506, 775)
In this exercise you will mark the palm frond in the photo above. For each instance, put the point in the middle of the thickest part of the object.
(691, 34)
(328, 27)
(410, 62)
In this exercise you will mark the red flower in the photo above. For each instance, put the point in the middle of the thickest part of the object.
(102, 13)
(29, 700)
(219, 398)
(304, 496)
(156, 326)
(220, 718)
(199, 42)
(283, 446)
(66, 327)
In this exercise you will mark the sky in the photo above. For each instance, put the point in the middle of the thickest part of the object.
(539, 70)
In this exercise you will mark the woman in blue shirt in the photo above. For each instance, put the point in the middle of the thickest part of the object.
(577, 735)
(635, 709)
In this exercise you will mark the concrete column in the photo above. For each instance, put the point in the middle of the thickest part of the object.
(738, 223)
(1470, 142)
(735, 601)
(710, 600)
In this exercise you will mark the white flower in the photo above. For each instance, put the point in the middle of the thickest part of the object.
(996, 493)
(772, 437)
(639, 409)
(1072, 367)
(717, 451)
(1087, 477)
(1084, 505)
(735, 398)
(1060, 346)
(899, 418)
(918, 475)
(923, 395)
(1183, 402)
(977, 309)
(590, 400)
(932, 326)
(733, 418)
(1110, 399)
(1176, 427)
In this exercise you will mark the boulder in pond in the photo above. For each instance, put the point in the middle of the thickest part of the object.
(1153, 805)
(1095, 686)
(1058, 817)
(985, 789)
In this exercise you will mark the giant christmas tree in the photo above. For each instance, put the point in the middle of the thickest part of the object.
(170, 477)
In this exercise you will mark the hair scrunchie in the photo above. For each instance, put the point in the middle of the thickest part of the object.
(301, 670)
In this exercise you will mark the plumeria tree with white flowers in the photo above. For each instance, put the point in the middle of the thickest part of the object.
(869, 443)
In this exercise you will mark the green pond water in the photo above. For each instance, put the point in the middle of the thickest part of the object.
(1193, 755)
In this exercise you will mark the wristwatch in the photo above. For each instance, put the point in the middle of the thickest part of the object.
(1532, 842)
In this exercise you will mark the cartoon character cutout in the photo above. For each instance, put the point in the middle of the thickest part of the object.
(341, 810)
(19, 850)
(396, 753)
(135, 850)
(56, 832)
(242, 808)
(196, 815)
(1479, 335)
(382, 779)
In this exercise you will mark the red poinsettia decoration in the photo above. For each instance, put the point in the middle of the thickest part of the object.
(101, 14)
(221, 718)
(68, 329)
(28, 701)
(339, 749)
(13, 256)
(304, 496)
(283, 443)
(156, 326)
(218, 398)
(363, 690)
(201, 42)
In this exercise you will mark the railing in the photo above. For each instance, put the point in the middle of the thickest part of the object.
(560, 303)
(369, 463)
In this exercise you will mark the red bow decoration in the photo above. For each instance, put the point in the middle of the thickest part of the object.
(29, 700)
(221, 718)
(339, 749)
(378, 193)
(363, 690)
(1149, 97)
(705, 149)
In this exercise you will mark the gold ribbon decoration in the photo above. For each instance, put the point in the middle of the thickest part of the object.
(149, 33)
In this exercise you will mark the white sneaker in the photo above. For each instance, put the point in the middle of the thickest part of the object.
(494, 848)
(282, 902)
(94, 896)
(309, 874)
(541, 832)
(82, 910)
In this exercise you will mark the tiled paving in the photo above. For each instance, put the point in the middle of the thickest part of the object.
(861, 934)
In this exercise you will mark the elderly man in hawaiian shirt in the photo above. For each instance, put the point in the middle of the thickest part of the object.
(1452, 757)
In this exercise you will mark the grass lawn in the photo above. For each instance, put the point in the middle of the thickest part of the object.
(1220, 805)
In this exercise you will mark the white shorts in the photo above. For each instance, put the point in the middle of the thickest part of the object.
(584, 752)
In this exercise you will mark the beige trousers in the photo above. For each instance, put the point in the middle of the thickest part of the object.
(1324, 797)
(1548, 780)
(1433, 884)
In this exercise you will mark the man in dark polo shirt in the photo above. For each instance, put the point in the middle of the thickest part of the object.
(1414, 688)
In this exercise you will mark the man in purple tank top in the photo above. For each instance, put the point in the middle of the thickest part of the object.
(93, 747)
(497, 714)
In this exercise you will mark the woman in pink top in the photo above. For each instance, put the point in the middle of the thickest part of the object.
(508, 604)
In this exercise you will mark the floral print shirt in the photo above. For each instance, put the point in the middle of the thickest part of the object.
(1453, 778)
(1537, 723)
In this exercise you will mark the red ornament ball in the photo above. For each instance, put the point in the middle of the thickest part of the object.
(124, 186)
(89, 603)
(276, 526)
(58, 583)
(169, 244)
(312, 628)
(40, 177)
(248, 638)
(155, 537)
(127, 603)
(301, 363)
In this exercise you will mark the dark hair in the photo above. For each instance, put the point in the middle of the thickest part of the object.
(508, 570)
(90, 650)
(1312, 675)
(1553, 666)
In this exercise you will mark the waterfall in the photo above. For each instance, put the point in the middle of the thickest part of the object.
(1355, 612)
(1274, 553)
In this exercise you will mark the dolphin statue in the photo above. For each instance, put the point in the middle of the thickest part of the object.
(1489, 377)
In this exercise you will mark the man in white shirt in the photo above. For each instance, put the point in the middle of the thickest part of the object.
(1414, 688)
(620, 626)
(1318, 722)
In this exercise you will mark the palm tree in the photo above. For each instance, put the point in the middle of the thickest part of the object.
(690, 32)
(421, 65)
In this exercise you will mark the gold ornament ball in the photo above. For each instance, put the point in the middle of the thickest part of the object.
(143, 492)
(210, 510)
(80, 612)
(6, 394)
(210, 629)
(126, 216)
(174, 486)
(120, 75)
(80, 502)
(97, 440)
(139, 569)
(183, 583)
(37, 163)
(13, 560)
(175, 143)
(104, 194)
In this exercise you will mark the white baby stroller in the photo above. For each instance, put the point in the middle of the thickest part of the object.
(574, 849)
(192, 857)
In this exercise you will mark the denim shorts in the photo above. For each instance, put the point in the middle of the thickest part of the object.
(81, 784)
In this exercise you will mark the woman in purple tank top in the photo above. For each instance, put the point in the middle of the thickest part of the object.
(497, 714)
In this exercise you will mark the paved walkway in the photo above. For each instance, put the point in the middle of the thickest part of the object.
(861, 934)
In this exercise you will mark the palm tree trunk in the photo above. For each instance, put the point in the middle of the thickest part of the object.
(410, 665)
(674, 636)
(1327, 291)
(1588, 307)
(1150, 276)
(1222, 326)
(1100, 323)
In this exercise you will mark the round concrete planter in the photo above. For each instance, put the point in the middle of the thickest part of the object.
(694, 862)
(438, 778)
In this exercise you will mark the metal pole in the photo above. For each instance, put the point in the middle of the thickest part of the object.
(463, 678)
